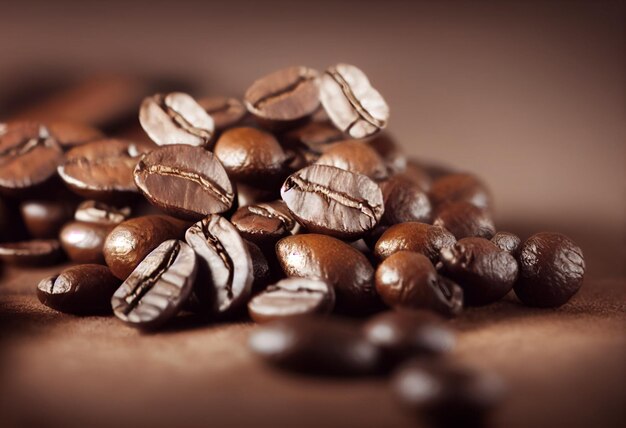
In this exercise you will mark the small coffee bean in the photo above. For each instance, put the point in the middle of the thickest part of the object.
(101, 213)
(404, 201)
(484, 271)
(156, 290)
(330, 200)
(37, 252)
(45, 218)
(507, 241)
(316, 345)
(351, 102)
(552, 268)
(355, 156)
(264, 223)
(69, 134)
(290, 297)
(412, 236)
(175, 118)
(225, 111)
(130, 241)
(460, 188)
(389, 150)
(184, 181)
(409, 280)
(84, 242)
(261, 271)
(313, 137)
(83, 289)
(464, 220)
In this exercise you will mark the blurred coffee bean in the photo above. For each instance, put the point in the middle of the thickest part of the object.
(84, 242)
(313, 137)
(69, 133)
(460, 188)
(355, 156)
(552, 268)
(250, 195)
(37, 252)
(82, 290)
(156, 290)
(418, 175)
(404, 201)
(261, 271)
(101, 213)
(412, 236)
(226, 112)
(389, 150)
(264, 223)
(44, 218)
(464, 220)
(507, 241)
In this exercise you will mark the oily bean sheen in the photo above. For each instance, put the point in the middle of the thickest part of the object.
(155, 291)
(419, 237)
(84, 242)
(460, 188)
(184, 181)
(464, 220)
(355, 156)
(316, 345)
(103, 170)
(404, 201)
(225, 266)
(175, 118)
(321, 256)
(409, 280)
(330, 200)
(83, 289)
(507, 241)
(37, 252)
(101, 213)
(264, 223)
(44, 218)
(351, 102)
(225, 111)
(484, 271)
(552, 268)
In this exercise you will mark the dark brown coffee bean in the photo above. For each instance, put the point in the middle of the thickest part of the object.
(38, 252)
(316, 345)
(552, 268)
(84, 242)
(264, 223)
(404, 201)
(101, 213)
(44, 219)
(409, 280)
(355, 156)
(291, 297)
(83, 289)
(129, 242)
(175, 118)
(103, 170)
(460, 188)
(351, 102)
(507, 241)
(419, 237)
(484, 271)
(225, 267)
(389, 150)
(156, 290)
(69, 134)
(313, 137)
(330, 200)
(225, 111)
(261, 271)
(184, 181)
(321, 256)
(464, 220)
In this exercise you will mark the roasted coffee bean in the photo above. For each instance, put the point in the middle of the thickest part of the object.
(355, 156)
(251, 155)
(83, 289)
(288, 95)
(389, 150)
(69, 134)
(103, 170)
(460, 188)
(261, 271)
(130, 241)
(330, 200)
(29, 157)
(175, 118)
(84, 242)
(552, 268)
(291, 297)
(404, 201)
(44, 218)
(313, 137)
(351, 102)
(101, 213)
(507, 241)
(419, 175)
(37, 252)
(225, 272)
(316, 345)
(409, 280)
(225, 111)
(464, 220)
(184, 181)
(484, 271)
(419, 237)
(321, 256)
(156, 290)
(264, 223)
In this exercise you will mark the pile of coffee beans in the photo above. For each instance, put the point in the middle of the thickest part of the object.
(287, 206)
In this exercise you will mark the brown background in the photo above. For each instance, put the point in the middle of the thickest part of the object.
(528, 94)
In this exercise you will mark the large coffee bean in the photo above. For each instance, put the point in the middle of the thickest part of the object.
(38, 252)
(264, 223)
(405, 201)
(419, 237)
(355, 156)
(84, 242)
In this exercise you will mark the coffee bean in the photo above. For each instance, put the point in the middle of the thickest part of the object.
(130, 241)
(313, 137)
(389, 150)
(250, 195)
(261, 271)
(552, 268)
(404, 201)
(83, 289)
(419, 237)
(225, 111)
(225, 272)
(315, 345)
(330, 200)
(291, 297)
(101, 213)
(175, 118)
(355, 156)
(418, 174)
(464, 220)
(327, 258)
(37, 252)
(184, 181)
(69, 134)
(84, 242)
(103, 170)
(44, 218)
(264, 223)
(460, 188)
(507, 241)
(156, 290)
(351, 102)
(409, 280)
(484, 271)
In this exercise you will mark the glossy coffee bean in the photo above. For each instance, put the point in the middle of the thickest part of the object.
(405, 201)
(316, 345)
(552, 268)
(264, 223)
(175, 118)
(409, 280)
(465, 220)
(355, 156)
(44, 218)
(156, 290)
(351, 102)
(83, 289)
(129, 242)
(330, 200)
(484, 271)
(184, 181)
(460, 188)
(37, 252)
(226, 112)
(418, 237)
(69, 133)
(101, 213)
(507, 241)
(261, 271)
(84, 242)
(390, 151)
(292, 297)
